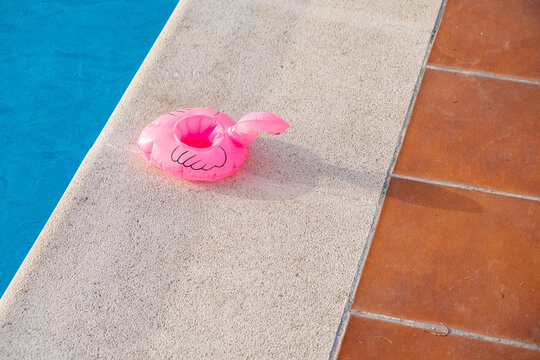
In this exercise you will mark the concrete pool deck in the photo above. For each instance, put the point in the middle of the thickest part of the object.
(134, 263)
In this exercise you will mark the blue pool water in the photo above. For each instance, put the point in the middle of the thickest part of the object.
(64, 65)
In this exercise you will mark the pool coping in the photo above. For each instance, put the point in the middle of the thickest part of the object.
(104, 158)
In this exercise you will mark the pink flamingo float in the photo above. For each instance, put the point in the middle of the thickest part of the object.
(204, 144)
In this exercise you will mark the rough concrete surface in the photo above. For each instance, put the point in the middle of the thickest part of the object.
(136, 264)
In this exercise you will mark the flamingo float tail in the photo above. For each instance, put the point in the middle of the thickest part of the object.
(249, 126)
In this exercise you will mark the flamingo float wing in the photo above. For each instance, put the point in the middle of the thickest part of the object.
(215, 157)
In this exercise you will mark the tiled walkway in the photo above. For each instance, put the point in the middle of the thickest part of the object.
(452, 269)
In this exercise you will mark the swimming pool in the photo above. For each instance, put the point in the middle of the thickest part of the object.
(64, 65)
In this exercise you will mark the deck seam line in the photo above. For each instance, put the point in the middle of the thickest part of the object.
(443, 329)
(346, 311)
(466, 187)
(482, 74)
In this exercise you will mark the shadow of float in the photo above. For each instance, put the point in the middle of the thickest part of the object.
(278, 170)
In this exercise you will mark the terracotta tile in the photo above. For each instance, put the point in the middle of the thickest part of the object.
(466, 259)
(474, 130)
(368, 339)
(497, 36)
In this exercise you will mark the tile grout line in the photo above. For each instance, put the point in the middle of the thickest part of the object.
(466, 187)
(442, 329)
(346, 311)
(483, 74)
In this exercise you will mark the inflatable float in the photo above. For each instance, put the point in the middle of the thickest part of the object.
(204, 144)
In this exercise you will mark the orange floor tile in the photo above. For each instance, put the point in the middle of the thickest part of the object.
(466, 259)
(496, 36)
(462, 257)
(474, 130)
(369, 339)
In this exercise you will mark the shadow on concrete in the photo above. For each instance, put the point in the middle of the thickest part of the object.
(278, 170)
